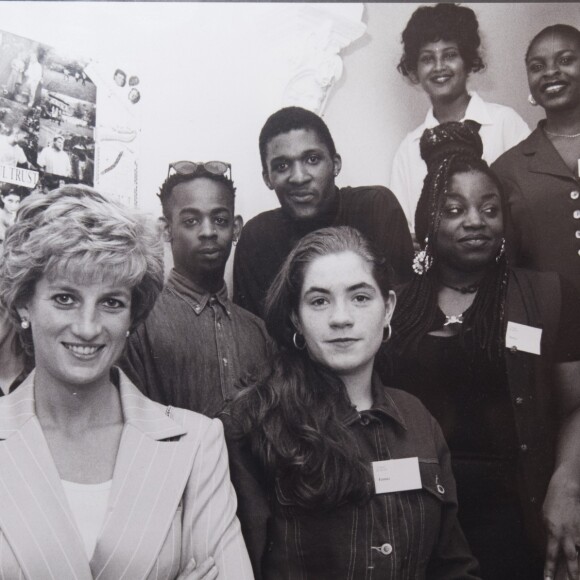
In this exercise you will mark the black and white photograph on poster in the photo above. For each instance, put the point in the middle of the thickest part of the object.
(419, 416)
(66, 145)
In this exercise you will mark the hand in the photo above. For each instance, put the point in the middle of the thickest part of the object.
(562, 520)
(207, 570)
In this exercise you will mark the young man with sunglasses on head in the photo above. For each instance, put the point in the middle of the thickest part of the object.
(196, 344)
(300, 163)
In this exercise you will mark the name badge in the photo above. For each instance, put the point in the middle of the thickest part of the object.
(523, 337)
(397, 475)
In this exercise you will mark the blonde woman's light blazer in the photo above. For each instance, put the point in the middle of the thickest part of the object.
(171, 498)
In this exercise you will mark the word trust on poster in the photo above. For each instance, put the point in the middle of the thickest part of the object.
(52, 107)
(19, 176)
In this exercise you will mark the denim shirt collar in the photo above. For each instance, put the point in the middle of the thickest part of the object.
(195, 296)
(383, 406)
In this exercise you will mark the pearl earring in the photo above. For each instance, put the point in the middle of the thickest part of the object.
(25, 324)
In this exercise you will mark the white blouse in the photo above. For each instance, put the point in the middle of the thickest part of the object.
(88, 503)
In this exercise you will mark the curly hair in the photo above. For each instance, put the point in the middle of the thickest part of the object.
(166, 189)
(291, 415)
(290, 119)
(77, 233)
(450, 149)
(445, 21)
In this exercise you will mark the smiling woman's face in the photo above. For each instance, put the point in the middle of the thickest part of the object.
(342, 313)
(78, 330)
(553, 67)
(471, 226)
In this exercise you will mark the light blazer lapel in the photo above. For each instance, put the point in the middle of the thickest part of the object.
(34, 512)
(152, 469)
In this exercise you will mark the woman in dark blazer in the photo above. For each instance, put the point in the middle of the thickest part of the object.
(540, 176)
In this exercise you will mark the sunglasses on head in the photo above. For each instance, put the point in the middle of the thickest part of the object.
(191, 168)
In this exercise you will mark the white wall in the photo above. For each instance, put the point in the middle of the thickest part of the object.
(210, 77)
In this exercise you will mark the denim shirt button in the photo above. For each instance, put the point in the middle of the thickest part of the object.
(386, 549)
(364, 420)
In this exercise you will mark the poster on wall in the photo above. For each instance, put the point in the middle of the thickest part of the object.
(53, 105)
(47, 117)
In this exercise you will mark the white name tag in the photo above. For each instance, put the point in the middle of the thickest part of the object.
(523, 337)
(397, 475)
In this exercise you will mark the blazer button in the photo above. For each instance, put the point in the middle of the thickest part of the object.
(523, 447)
(574, 194)
(519, 401)
(386, 549)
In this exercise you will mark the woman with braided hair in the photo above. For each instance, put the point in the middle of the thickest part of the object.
(494, 354)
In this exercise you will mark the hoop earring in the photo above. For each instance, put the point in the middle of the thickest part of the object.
(423, 260)
(389, 334)
(532, 101)
(295, 341)
(501, 251)
(25, 324)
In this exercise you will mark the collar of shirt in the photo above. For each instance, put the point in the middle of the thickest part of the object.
(476, 111)
(186, 289)
(383, 405)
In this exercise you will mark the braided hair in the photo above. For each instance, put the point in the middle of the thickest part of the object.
(450, 149)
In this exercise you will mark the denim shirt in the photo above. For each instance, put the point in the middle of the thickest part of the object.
(194, 348)
(398, 536)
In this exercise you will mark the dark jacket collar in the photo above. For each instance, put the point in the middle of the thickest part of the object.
(542, 155)
(383, 406)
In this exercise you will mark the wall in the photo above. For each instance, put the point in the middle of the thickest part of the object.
(211, 73)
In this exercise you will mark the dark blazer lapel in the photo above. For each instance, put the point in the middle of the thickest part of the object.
(34, 512)
(152, 469)
(543, 157)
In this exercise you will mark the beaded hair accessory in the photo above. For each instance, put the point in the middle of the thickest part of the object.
(447, 139)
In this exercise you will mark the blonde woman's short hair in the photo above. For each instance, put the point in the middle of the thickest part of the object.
(77, 233)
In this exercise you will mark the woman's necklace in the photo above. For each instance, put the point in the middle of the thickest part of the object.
(574, 136)
(471, 289)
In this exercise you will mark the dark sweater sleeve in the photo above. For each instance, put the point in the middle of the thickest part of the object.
(249, 285)
(398, 240)
(387, 226)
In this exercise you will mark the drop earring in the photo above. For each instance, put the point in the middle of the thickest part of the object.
(423, 260)
(25, 324)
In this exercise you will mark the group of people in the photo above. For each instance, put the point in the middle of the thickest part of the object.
(360, 409)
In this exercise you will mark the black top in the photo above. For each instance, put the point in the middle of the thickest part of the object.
(268, 238)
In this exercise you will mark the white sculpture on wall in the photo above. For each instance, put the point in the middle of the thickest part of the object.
(310, 40)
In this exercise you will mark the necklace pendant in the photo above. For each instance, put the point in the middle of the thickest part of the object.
(453, 319)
